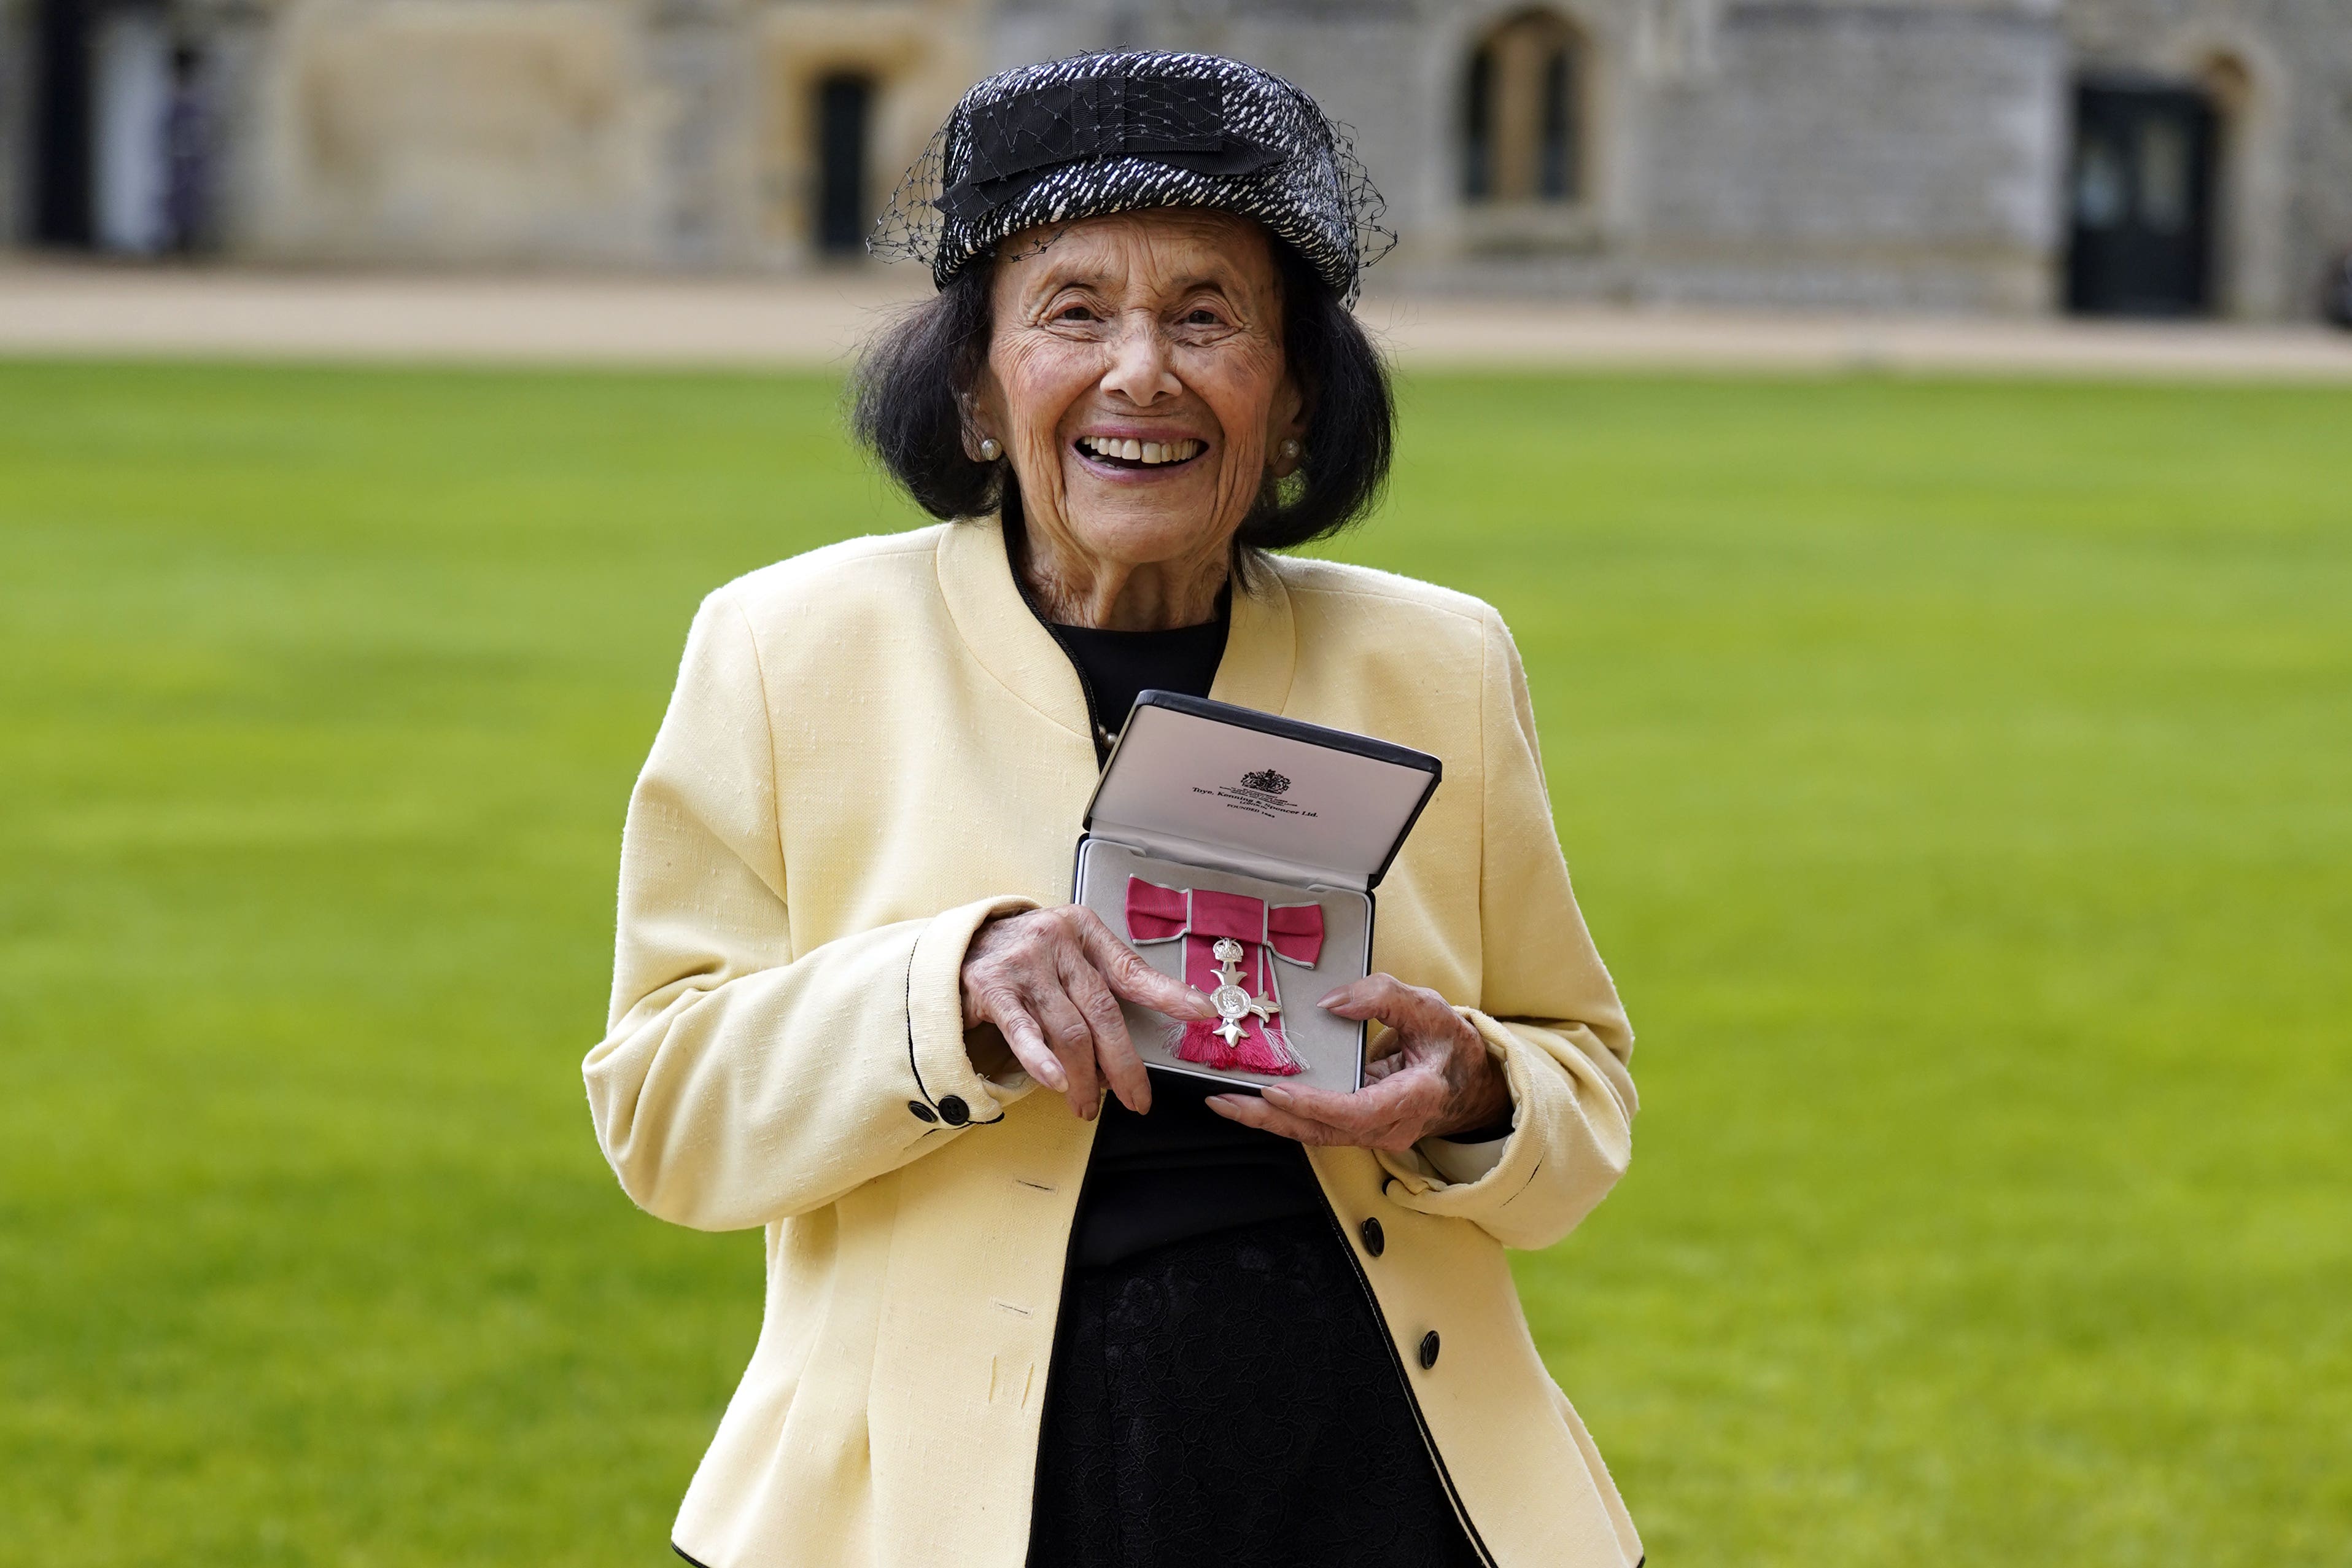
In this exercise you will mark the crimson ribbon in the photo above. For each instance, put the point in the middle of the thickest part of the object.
(1291, 932)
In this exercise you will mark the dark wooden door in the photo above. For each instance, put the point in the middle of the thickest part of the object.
(2141, 197)
(843, 106)
(61, 122)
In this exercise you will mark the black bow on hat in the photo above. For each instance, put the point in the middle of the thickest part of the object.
(1016, 143)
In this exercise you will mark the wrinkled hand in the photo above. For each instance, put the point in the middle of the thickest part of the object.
(1051, 981)
(1437, 1078)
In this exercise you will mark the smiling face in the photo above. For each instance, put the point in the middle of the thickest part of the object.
(1137, 381)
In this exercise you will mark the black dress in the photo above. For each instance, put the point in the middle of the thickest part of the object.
(1222, 1390)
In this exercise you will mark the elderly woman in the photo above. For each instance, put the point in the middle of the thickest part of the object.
(1027, 1300)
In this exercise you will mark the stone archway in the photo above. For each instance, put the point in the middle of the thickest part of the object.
(2250, 182)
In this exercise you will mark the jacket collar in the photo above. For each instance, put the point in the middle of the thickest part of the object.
(1014, 645)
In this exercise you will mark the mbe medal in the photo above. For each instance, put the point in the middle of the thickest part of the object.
(1236, 849)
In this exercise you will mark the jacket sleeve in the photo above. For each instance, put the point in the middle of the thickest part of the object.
(740, 1080)
(1549, 1011)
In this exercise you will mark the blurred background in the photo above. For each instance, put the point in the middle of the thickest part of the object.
(1904, 436)
(2174, 156)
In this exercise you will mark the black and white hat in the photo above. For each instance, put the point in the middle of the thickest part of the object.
(1095, 134)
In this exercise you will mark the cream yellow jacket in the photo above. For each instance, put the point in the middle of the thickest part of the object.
(874, 748)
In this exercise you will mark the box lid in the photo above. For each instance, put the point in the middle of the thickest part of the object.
(1216, 783)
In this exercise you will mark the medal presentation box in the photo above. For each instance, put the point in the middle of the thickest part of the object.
(1238, 851)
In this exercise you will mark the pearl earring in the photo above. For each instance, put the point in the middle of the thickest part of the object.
(1290, 448)
(989, 451)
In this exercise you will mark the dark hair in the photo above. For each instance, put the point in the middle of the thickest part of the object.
(907, 409)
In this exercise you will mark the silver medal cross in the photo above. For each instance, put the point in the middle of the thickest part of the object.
(1233, 1003)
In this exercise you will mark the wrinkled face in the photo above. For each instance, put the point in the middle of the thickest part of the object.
(1135, 379)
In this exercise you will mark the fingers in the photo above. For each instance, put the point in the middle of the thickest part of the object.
(1404, 1094)
(1018, 975)
(1126, 971)
(1051, 981)
(1357, 999)
(1073, 1041)
(1114, 1052)
(1404, 1009)
(1252, 1111)
(1410, 1023)
(1391, 1115)
(1368, 1113)
(1028, 1041)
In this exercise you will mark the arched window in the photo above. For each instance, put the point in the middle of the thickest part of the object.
(1523, 112)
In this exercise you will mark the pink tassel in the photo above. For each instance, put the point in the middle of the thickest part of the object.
(1263, 1049)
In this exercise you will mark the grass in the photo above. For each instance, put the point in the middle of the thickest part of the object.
(1958, 778)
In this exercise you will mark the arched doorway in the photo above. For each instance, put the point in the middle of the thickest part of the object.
(1523, 110)
(2141, 200)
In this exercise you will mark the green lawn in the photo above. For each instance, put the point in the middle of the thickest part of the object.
(1958, 779)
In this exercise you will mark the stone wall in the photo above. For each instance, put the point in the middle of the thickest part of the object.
(1895, 153)
(459, 130)
(614, 132)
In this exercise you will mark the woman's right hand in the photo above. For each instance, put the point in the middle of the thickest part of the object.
(1051, 981)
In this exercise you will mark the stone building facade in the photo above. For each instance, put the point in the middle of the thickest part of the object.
(2001, 155)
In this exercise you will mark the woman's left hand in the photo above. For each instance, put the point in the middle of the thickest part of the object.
(1438, 1079)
